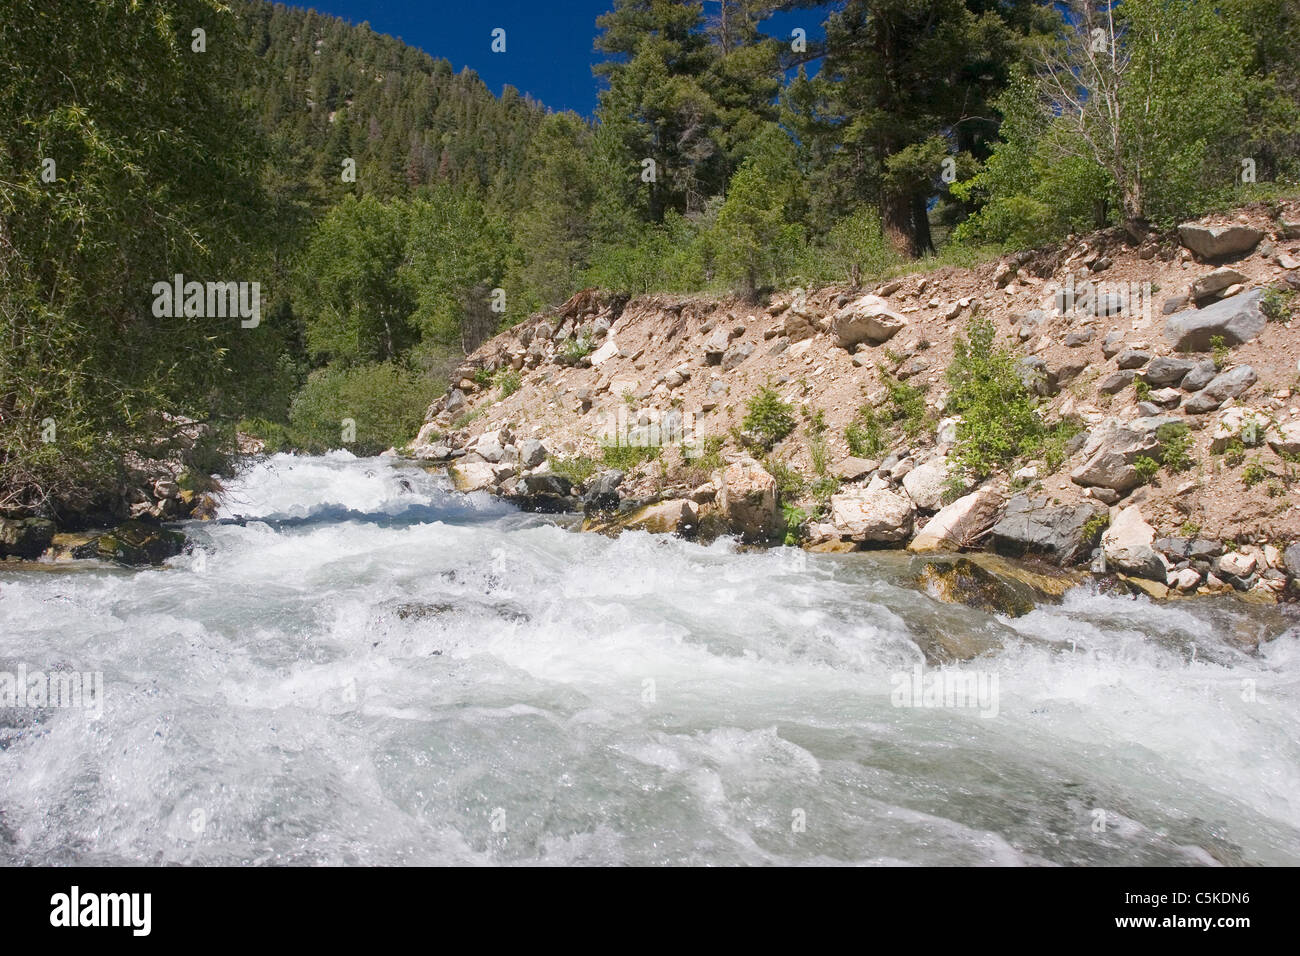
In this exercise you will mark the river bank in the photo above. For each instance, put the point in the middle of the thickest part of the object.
(1170, 364)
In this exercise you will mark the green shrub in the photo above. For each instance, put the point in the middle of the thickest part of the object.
(790, 485)
(1143, 389)
(1220, 351)
(627, 457)
(508, 381)
(1276, 304)
(1175, 442)
(999, 416)
(1253, 474)
(1093, 528)
(577, 469)
(768, 418)
(866, 434)
(1146, 468)
(386, 401)
(793, 519)
(273, 436)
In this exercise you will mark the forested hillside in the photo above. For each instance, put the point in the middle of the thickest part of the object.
(395, 213)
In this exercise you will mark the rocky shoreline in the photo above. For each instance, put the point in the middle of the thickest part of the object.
(1212, 371)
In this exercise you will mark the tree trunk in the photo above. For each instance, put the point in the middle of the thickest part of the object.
(907, 224)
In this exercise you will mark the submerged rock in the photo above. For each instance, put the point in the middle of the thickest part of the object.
(677, 516)
(25, 537)
(991, 584)
(136, 542)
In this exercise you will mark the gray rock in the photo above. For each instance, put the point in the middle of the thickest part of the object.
(1201, 375)
(1082, 337)
(455, 401)
(602, 491)
(531, 453)
(1175, 303)
(1166, 370)
(1116, 381)
(851, 469)
(1112, 449)
(1030, 526)
(735, 355)
(1132, 358)
(1217, 242)
(1237, 320)
(1112, 343)
(1225, 385)
(1215, 282)
(1292, 558)
(546, 484)
(866, 320)
(1128, 545)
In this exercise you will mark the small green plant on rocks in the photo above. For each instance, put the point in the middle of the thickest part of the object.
(1146, 468)
(768, 418)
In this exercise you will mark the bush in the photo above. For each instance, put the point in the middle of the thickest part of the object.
(865, 434)
(577, 469)
(508, 381)
(386, 401)
(1146, 469)
(1276, 304)
(627, 457)
(999, 417)
(1175, 441)
(768, 418)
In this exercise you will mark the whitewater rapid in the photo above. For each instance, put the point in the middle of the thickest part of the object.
(368, 667)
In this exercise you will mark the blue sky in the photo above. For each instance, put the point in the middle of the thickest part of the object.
(548, 44)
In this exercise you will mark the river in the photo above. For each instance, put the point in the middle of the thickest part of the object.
(370, 668)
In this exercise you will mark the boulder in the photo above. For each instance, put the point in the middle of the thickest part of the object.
(1200, 376)
(1128, 546)
(531, 453)
(1110, 452)
(747, 499)
(1236, 320)
(455, 401)
(852, 469)
(602, 492)
(1166, 370)
(1222, 387)
(735, 355)
(993, 584)
(865, 515)
(1219, 242)
(607, 350)
(716, 347)
(866, 320)
(960, 524)
(1116, 381)
(926, 483)
(1031, 526)
(25, 537)
(1215, 282)
(1285, 438)
(798, 326)
(1291, 557)
(676, 516)
(136, 542)
(1132, 358)
(478, 475)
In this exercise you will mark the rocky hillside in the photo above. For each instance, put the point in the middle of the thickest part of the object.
(1166, 370)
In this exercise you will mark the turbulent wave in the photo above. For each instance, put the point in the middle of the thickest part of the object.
(359, 665)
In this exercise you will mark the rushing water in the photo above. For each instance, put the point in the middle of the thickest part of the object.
(372, 668)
